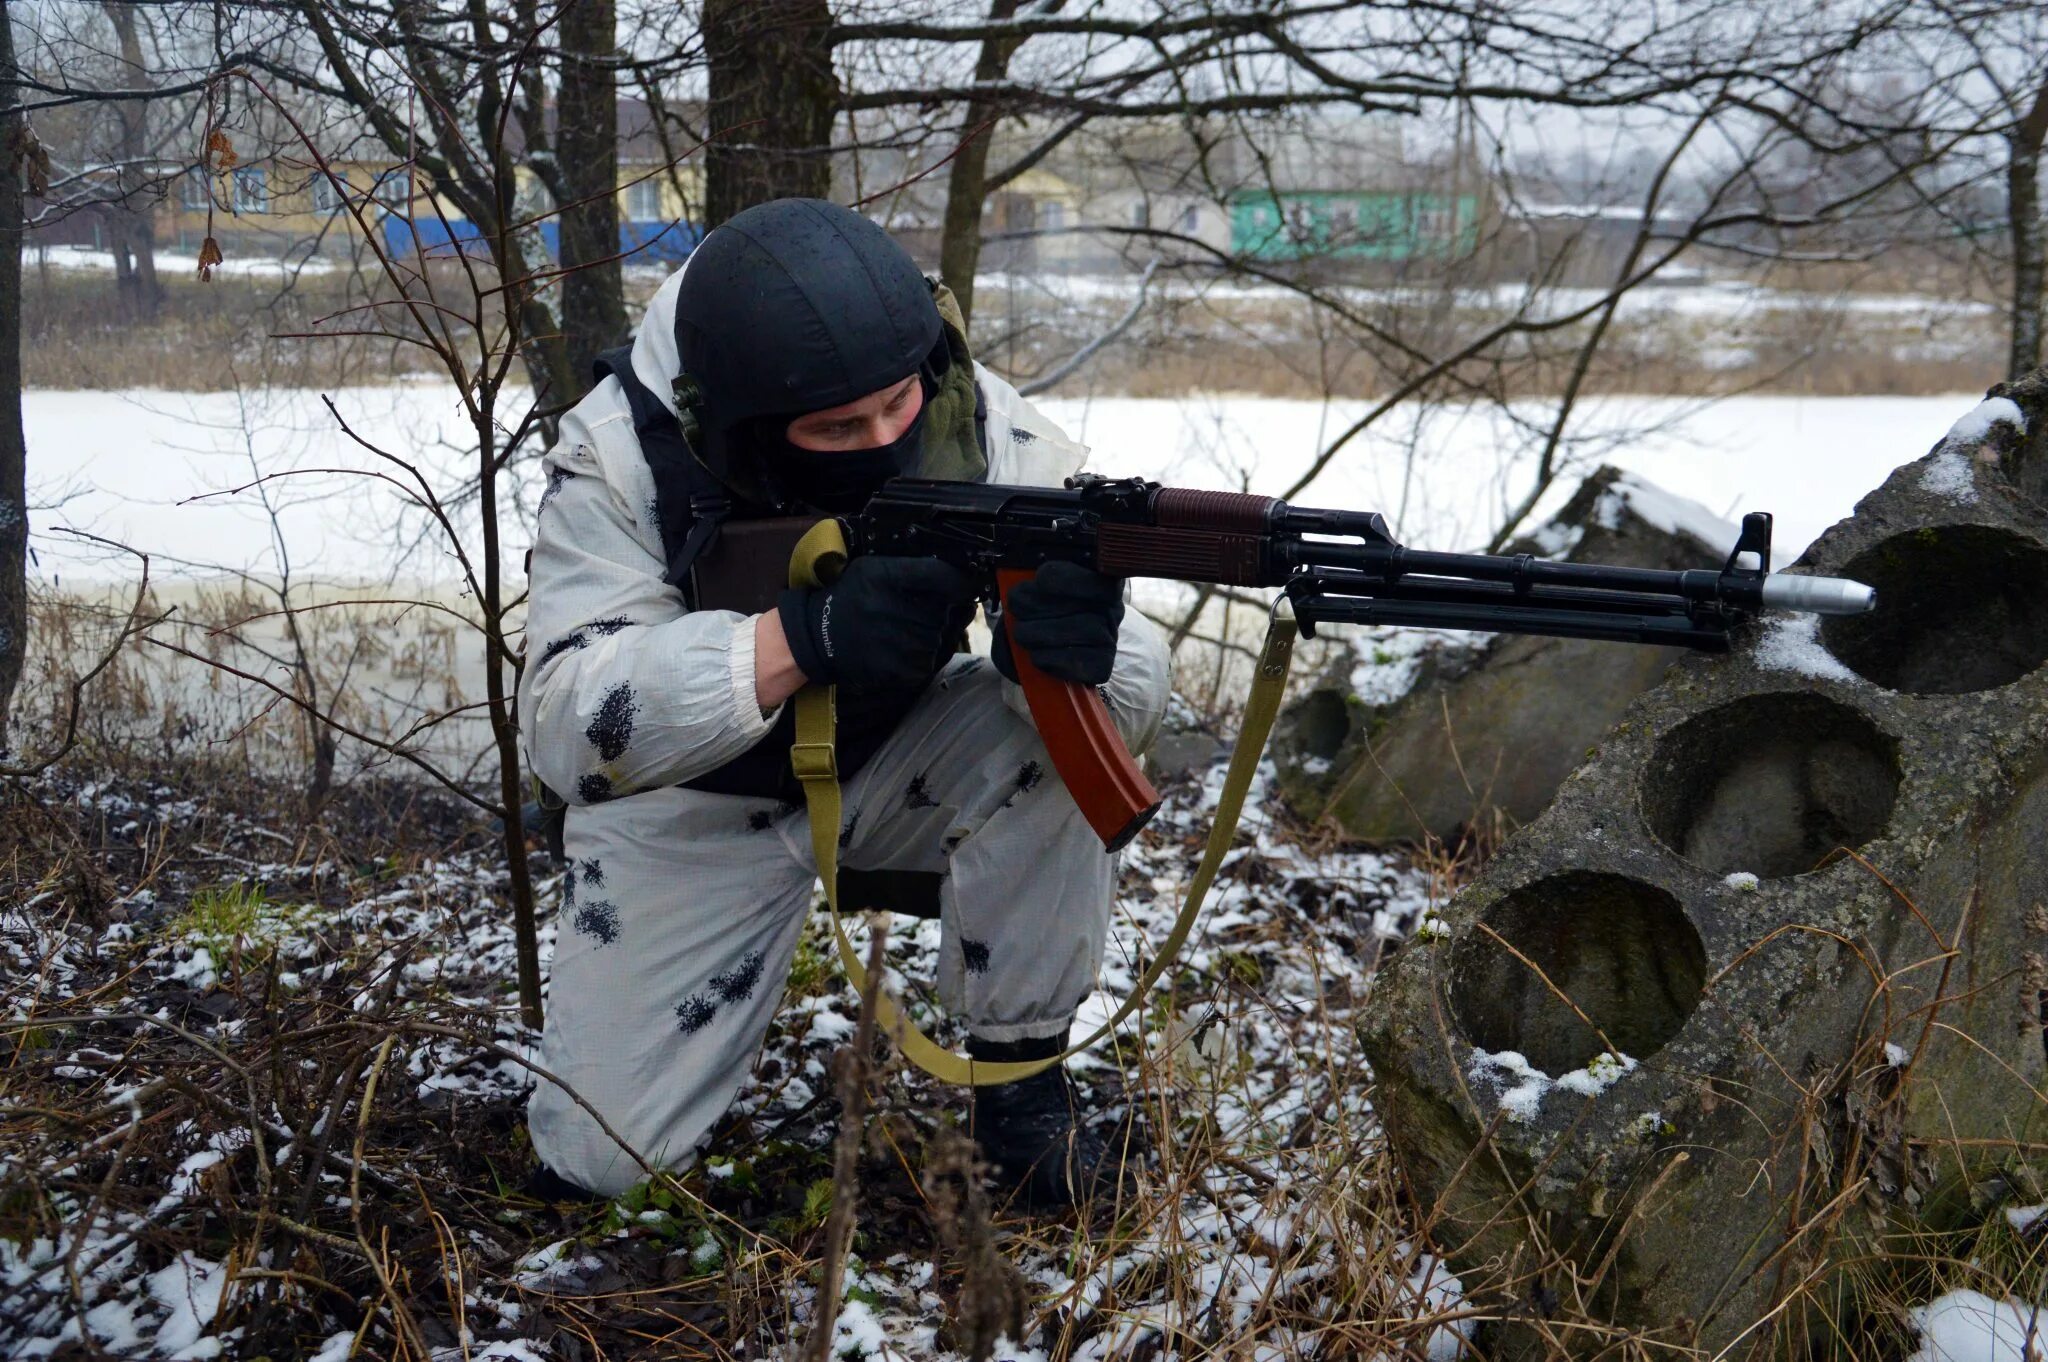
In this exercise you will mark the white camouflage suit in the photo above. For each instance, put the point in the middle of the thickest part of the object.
(683, 908)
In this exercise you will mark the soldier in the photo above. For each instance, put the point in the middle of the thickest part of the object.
(794, 363)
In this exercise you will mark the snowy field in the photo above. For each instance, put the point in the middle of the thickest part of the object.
(155, 469)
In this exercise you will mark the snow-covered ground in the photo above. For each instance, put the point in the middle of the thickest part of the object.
(1265, 1216)
(1255, 1061)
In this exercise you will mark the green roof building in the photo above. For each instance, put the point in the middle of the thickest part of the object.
(1393, 225)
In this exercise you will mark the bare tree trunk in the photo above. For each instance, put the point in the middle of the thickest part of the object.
(13, 443)
(967, 181)
(498, 659)
(593, 298)
(129, 216)
(773, 95)
(2023, 216)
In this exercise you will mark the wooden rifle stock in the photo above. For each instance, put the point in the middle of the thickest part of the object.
(1087, 751)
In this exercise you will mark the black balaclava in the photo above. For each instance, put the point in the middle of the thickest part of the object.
(792, 307)
(836, 480)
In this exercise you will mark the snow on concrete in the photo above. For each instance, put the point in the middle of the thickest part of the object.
(1948, 476)
(1966, 1326)
(1792, 643)
(1674, 515)
(1948, 473)
(1976, 423)
(1521, 1086)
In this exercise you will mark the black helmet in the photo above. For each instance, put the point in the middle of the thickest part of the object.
(790, 307)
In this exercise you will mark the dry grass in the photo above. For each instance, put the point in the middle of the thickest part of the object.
(1272, 348)
(240, 327)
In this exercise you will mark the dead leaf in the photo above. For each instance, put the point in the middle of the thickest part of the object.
(209, 256)
(36, 159)
(220, 152)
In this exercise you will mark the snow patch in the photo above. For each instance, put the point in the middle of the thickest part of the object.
(1554, 540)
(1437, 1292)
(1947, 476)
(1791, 643)
(544, 1268)
(1743, 880)
(1948, 473)
(503, 1350)
(1523, 1086)
(113, 1323)
(191, 1290)
(1662, 510)
(1977, 422)
(2024, 1218)
(1965, 1326)
(857, 1333)
(337, 1348)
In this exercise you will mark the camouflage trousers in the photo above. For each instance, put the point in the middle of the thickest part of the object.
(684, 909)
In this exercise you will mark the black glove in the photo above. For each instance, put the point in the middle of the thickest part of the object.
(885, 622)
(1066, 620)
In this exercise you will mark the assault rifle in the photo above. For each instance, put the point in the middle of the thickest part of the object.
(1332, 567)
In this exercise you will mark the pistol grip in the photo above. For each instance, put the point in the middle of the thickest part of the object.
(1087, 751)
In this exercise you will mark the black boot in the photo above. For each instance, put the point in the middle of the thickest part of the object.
(545, 1184)
(1031, 1130)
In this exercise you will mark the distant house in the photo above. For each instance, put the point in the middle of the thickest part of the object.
(1385, 224)
(282, 202)
(277, 203)
(1324, 187)
(1092, 209)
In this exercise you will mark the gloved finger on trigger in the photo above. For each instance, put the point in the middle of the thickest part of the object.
(1082, 666)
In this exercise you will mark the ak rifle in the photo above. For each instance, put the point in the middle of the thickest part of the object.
(1332, 567)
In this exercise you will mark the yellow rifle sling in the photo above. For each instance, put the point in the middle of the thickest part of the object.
(817, 559)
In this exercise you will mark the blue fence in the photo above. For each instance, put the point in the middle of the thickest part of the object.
(641, 242)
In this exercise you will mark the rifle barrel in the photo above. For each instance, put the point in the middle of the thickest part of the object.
(1523, 572)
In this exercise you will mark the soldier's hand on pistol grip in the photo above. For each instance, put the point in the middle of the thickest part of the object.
(1066, 619)
(885, 622)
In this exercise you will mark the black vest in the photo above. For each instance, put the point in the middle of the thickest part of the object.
(690, 507)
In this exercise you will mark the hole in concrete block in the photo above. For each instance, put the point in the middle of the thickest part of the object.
(1320, 724)
(1622, 951)
(1770, 784)
(1959, 608)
